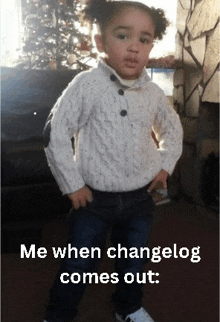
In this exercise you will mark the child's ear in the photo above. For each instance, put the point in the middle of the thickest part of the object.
(99, 43)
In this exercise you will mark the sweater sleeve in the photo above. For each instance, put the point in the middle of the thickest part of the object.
(65, 119)
(169, 133)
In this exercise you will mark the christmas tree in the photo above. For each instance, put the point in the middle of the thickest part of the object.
(54, 36)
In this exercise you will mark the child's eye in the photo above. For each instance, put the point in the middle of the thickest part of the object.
(145, 40)
(121, 36)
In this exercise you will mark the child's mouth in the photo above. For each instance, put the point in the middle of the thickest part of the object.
(131, 62)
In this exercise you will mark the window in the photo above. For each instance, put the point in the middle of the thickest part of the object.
(11, 31)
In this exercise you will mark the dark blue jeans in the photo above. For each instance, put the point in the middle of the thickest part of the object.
(129, 217)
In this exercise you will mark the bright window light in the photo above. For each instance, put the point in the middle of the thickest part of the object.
(11, 31)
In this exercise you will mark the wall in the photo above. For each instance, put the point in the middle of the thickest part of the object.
(196, 88)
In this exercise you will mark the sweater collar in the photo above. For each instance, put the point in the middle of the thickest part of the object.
(142, 80)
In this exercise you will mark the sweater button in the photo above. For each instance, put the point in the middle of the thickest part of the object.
(123, 113)
(112, 77)
(121, 92)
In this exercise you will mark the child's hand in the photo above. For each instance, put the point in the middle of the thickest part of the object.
(160, 177)
(80, 197)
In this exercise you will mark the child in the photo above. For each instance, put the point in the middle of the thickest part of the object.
(111, 111)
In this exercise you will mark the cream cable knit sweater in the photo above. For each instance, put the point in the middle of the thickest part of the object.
(111, 122)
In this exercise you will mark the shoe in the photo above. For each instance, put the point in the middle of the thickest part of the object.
(139, 316)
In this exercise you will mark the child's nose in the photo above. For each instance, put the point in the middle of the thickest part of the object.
(134, 47)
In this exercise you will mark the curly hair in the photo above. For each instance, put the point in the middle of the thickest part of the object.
(101, 12)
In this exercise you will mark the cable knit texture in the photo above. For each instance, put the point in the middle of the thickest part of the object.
(111, 122)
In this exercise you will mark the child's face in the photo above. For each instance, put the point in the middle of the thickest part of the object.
(127, 42)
